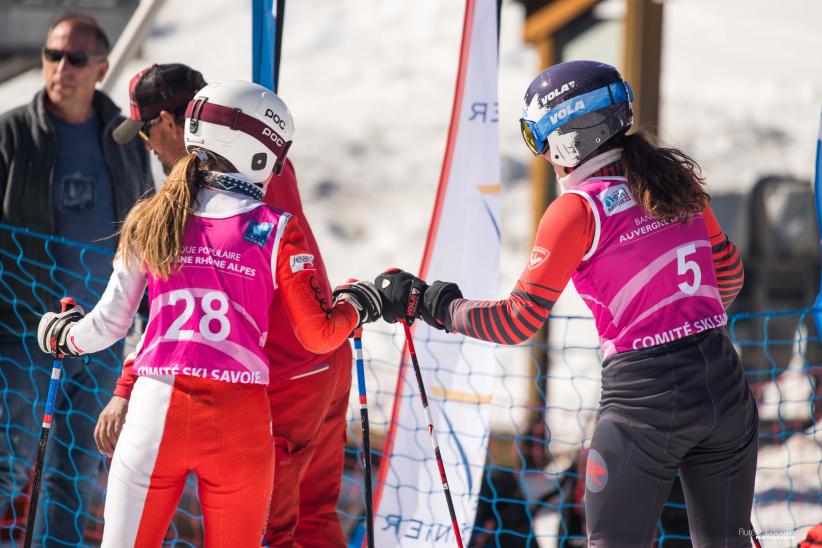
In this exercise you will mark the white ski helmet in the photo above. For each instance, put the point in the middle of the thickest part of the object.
(245, 123)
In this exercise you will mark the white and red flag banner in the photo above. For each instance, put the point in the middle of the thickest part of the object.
(462, 247)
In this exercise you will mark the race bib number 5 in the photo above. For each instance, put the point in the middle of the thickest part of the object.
(684, 267)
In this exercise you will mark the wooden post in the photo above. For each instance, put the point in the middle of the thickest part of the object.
(643, 57)
(542, 175)
(543, 192)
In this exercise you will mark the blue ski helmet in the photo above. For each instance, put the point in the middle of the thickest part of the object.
(573, 108)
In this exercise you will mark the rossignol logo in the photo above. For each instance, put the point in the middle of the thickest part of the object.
(554, 93)
(616, 199)
(304, 261)
(538, 256)
(566, 111)
(275, 118)
(596, 472)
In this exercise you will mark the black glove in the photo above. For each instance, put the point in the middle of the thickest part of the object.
(434, 309)
(401, 295)
(363, 296)
(52, 333)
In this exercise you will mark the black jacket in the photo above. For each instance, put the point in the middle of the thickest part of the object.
(28, 150)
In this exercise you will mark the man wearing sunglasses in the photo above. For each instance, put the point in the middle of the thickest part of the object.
(308, 392)
(61, 174)
(158, 97)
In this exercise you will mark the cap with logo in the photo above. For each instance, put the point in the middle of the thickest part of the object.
(157, 88)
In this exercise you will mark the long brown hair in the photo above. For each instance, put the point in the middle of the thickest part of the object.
(666, 182)
(153, 230)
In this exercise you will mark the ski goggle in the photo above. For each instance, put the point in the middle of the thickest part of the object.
(535, 133)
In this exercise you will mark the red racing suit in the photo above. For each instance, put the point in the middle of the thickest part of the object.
(308, 395)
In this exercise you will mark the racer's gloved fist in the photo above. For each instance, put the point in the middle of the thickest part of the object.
(363, 296)
(401, 295)
(52, 332)
(435, 302)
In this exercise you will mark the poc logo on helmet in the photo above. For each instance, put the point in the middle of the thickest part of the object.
(273, 136)
(275, 118)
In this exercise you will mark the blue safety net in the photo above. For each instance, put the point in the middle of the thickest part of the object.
(543, 411)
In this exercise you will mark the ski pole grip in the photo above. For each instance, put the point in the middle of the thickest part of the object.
(67, 303)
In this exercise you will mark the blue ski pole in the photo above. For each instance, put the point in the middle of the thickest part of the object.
(366, 437)
(66, 303)
(817, 190)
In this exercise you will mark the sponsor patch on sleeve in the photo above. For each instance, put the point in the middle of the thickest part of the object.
(258, 233)
(304, 261)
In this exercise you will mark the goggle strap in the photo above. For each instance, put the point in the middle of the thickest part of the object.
(613, 94)
(199, 110)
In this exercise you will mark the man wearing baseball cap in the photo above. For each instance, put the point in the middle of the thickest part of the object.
(158, 97)
(308, 393)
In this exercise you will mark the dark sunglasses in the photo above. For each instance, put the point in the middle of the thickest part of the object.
(145, 129)
(77, 59)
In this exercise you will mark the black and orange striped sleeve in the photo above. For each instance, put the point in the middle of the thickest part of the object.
(727, 263)
(565, 233)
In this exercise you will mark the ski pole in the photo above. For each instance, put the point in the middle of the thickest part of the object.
(437, 454)
(366, 437)
(66, 303)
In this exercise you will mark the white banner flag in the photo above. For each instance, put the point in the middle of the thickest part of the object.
(462, 247)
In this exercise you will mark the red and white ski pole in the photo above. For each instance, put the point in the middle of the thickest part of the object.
(432, 433)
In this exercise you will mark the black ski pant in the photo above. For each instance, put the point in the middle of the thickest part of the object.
(684, 405)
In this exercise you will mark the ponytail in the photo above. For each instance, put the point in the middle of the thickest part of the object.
(153, 230)
(666, 182)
